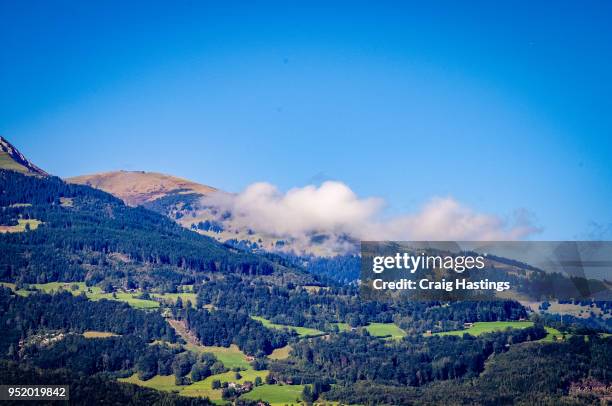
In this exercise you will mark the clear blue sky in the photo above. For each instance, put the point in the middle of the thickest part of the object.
(500, 105)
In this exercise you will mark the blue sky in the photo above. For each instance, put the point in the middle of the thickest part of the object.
(502, 106)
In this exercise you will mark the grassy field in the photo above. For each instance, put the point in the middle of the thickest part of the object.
(482, 327)
(166, 344)
(159, 382)
(487, 327)
(280, 353)
(95, 293)
(198, 389)
(552, 336)
(76, 287)
(276, 394)
(129, 298)
(302, 331)
(21, 226)
(98, 334)
(231, 356)
(385, 330)
(204, 387)
(343, 326)
(172, 297)
(11, 286)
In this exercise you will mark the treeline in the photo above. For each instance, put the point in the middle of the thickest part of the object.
(348, 358)
(537, 373)
(87, 357)
(173, 203)
(188, 367)
(90, 390)
(96, 222)
(288, 304)
(438, 316)
(342, 268)
(123, 355)
(295, 306)
(45, 331)
(21, 317)
(223, 328)
(579, 325)
(541, 285)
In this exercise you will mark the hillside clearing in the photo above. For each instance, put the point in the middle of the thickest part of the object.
(202, 388)
(385, 330)
(159, 382)
(230, 357)
(172, 297)
(483, 327)
(276, 394)
(95, 293)
(301, 331)
(32, 224)
(343, 326)
(98, 334)
(280, 353)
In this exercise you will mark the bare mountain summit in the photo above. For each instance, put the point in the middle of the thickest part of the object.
(139, 187)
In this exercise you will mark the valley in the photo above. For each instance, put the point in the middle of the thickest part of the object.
(95, 291)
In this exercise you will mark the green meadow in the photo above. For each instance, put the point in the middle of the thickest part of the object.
(11, 286)
(159, 382)
(202, 388)
(129, 298)
(385, 330)
(276, 394)
(92, 292)
(302, 331)
(483, 327)
(553, 335)
(231, 356)
(172, 297)
(343, 326)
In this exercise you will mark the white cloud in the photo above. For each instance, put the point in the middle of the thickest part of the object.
(334, 209)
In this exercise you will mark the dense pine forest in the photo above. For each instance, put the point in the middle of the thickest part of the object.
(109, 298)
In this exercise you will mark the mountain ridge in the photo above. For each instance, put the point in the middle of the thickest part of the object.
(12, 159)
(140, 187)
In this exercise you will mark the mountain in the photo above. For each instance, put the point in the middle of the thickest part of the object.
(12, 159)
(87, 234)
(139, 187)
(134, 281)
(197, 207)
(184, 202)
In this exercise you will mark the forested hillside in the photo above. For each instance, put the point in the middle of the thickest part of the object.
(81, 228)
(99, 293)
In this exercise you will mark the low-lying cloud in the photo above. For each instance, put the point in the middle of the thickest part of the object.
(335, 210)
